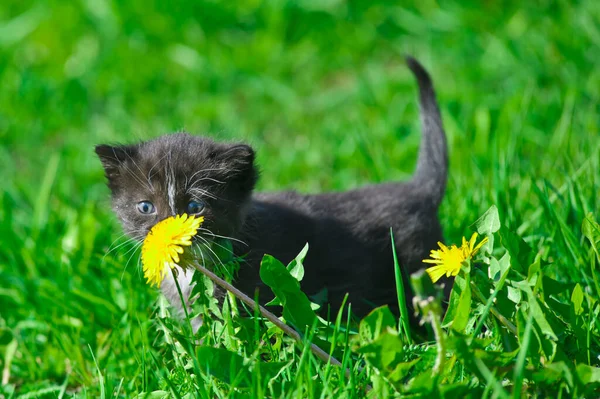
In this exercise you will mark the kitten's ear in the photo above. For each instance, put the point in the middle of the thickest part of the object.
(240, 157)
(113, 157)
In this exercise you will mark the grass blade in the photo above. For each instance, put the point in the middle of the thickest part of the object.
(520, 365)
(404, 322)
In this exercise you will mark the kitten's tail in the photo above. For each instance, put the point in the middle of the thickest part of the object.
(432, 165)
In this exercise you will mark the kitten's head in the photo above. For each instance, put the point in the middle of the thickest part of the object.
(177, 174)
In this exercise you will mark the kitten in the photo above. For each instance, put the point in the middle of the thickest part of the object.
(348, 232)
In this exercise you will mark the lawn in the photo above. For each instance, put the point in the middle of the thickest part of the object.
(320, 90)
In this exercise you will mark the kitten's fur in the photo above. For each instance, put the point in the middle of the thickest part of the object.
(348, 232)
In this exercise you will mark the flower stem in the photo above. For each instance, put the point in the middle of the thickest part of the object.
(182, 299)
(439, 338)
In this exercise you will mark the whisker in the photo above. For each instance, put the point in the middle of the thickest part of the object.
(129, 240)
(198, 251)
(133, 251)
(209, 179)
(218, 245)
(220, 262)
(206, 170)
(113, 243)
(201, 193)
(203, 229)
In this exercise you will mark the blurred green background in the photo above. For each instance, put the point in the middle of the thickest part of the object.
(320, 90)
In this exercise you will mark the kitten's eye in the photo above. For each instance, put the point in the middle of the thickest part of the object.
(145, 207)
(195, 207)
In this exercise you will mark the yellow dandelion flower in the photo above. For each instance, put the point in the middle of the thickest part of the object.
(448, 260)
(165, 243)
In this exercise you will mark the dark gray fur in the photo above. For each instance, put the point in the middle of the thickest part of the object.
(347, 232)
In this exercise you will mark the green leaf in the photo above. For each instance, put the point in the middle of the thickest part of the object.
(553, 287)
(536, 310)
(495, 358)
(577, 300)
(297, 308)
(498, 267)
(153, 395)
(463, 348)
(540, 318)
(554, 373)
(459, 390)
(591, 231)
(320, 298)
(533, 272)
(270, 370)
(463, 312)
(422, 285)
(520, 253)
(490, 301)
(386, 355)
(234, 369)
(296, 266)
(202, 295)
(514, 294)
(487, 225)
(480, 348)
(489, 222)
(459, 307)
(376, 323)
(221, 258)
(588, 374)
(273, 302)
(224, 365)
(424, 385)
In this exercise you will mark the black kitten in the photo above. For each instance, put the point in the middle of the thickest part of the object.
(348, 232)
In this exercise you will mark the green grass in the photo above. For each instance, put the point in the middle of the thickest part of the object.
(319, 88)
